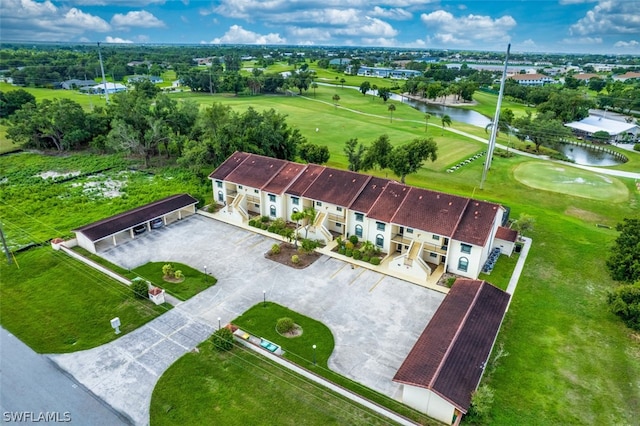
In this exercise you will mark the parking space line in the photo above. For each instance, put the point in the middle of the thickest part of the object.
(338, 271)
(376, 284)
(357, 276)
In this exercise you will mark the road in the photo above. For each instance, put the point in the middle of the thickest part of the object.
(33, 389)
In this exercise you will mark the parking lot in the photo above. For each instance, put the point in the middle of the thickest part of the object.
(375, 319)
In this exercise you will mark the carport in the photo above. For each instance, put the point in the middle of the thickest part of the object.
(118, 229)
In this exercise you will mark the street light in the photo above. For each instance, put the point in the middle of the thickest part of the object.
(218, 323)
(314, 354)
(264, 298)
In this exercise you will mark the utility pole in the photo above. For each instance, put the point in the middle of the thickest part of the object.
(104, 80)
(496, 118)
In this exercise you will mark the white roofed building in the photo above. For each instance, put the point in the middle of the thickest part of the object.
(619, 130)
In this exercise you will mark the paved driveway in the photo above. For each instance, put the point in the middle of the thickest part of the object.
(375, 319)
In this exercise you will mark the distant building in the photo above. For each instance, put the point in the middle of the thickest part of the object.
(137, 78)
(629, 75)
(77, 84)
(618, 130)
(340, 61)
(400, 73)
(531, 79)
(110, 88)
(585, 77)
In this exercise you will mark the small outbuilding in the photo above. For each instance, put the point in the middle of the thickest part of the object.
(125, 226)
(445, 366)
(506, 240)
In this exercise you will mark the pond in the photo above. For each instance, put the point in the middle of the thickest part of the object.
(457, 114)
(588, 157)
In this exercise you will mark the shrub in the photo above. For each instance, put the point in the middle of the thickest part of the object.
(178, 274)
(353, 239)
(167, 270)
(285, 325)
(341, 250)
(295, 259)
(357, 255)
(252, 222)
(624, 301)
(348, 245)
(264, 227)
(308, 245)
(275, 249)
(140, 289)
(348, 252)
(481, 402)
(374, 261)
(365, 258)
(450, 281)
(279, 224)
(222, 339)
(636, 147)
(271, 229)
(264, 219)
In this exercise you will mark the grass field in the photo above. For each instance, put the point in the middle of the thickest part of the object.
(56, 304)
(571, 181)
(194, 281)
(241, 387)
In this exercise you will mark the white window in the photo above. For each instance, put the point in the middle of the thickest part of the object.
(463, 264)
(465, 248)
(359, 217)
(272, 198)
(380, 226)
(295, 201)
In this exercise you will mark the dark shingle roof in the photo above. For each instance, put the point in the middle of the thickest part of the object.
(431, 211)
(506, 234)
(388, 202)
(228, 166)
(103, 228)
(339, 187)
(306, 178)
(450, 355)
(476, 222)
(256, 171)
(284, 178)
(369, 194)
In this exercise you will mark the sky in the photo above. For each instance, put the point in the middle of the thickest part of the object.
(556, 26)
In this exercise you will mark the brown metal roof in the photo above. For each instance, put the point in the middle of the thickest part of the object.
(387, 204)
(430, 211)
(476, 222)
(256, 171)
(284, 178)
(339, 187)
(450, 355)
(103, 228)
(507, 234)
(228, 166)
(369, 194)
(305, 179)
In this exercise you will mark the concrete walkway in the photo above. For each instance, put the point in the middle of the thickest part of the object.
(375, 319)
(517, 271)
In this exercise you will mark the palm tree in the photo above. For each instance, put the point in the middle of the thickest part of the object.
(336, 98)
(427, 117)
(446, 121)
(342, 81)
(391, 108)
(314, 86)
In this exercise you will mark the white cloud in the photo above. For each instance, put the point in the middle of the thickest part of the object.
(116, 40)
(528, 43)
(44, 21)
(609, 17)
(238, 35)
(131, 3)
(369, 27)
(77, 18)
(309, 35)
(380, 41)
(140, 18)
(395, 13)
(582, 40)
(464, 30)
(630, 43)
(565, 2)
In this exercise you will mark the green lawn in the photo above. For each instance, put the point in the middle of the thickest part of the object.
(56, 304)
(261, 319)
(571, 181)
(194, 281)
(241, 387)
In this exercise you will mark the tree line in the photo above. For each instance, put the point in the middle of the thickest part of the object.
(147, 123)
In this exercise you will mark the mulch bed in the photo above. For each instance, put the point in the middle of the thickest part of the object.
(287, 250)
